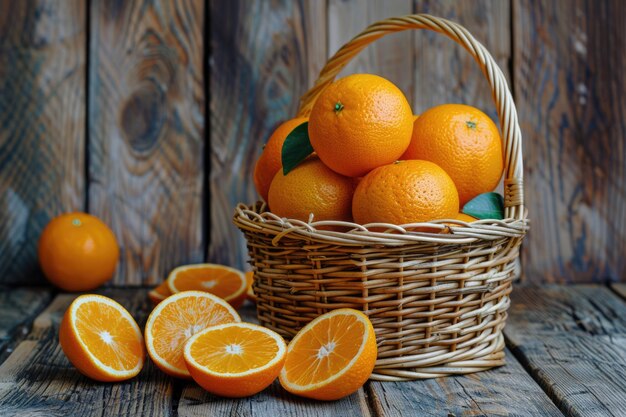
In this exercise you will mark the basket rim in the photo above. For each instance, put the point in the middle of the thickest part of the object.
(256, 218)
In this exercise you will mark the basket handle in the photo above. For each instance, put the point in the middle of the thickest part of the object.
(513, 180)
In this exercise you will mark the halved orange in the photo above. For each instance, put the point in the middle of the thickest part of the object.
(176, 319)
(235, 359)
(159, 293)
(249, 291)
(101, 339)
(223, 281)
(331, 357)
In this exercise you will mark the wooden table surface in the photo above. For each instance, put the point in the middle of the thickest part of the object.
(566, 355)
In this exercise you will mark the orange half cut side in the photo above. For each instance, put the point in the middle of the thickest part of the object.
(223, 281)
(101, 339)
(176, 319)
(159, 293)
(235, 359)
(331, 357)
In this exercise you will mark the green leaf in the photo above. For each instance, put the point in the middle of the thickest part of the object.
(485, 206)
(296, 147)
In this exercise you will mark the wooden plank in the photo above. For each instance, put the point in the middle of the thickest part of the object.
(444, 71)
(146, 127)
(573, 342)
(391, 57)
(18, 308)
(264, 56)
(38, 379)
(273, 401)
(572, 111)
(504, 391)
(620, 289)
(42, 125)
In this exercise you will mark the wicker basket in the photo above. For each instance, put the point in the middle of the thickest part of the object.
(437, 301)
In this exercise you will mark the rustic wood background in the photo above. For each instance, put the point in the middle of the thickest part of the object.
(151, 113)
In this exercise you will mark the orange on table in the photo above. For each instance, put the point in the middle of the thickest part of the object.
(235, 359)
(405, 192)
(77, 252)
(223, 281)
(331, 357)
(270, 161)
(101, 339)
(249, 291)
(463, 141)
(360, 122)
(312, 187)
(175, 320)
(159, 293)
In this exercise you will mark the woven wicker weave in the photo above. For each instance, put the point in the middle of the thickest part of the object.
(437, 301)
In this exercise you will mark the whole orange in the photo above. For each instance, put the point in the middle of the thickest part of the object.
(360, 122)
(463, 141)
(270, 161)
(312, 187)
(405, 192)
(78, 252)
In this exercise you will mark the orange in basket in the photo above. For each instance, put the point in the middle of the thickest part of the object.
(360, 122)
(437, 301)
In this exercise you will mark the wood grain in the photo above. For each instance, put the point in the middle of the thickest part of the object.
(391, 57)
(18, 308)
(620, 289)
(37, 379)
(504, 391)
(572, 340)
(273, 401)
(42, 125)
(263, 57)
(572, 113)
(444, 71)
(146, 127)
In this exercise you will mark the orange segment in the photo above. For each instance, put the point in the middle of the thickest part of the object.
(176, 319)
(101, 339)
(159, 293)
(235, 359)
(331, 357)
(223, 281)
